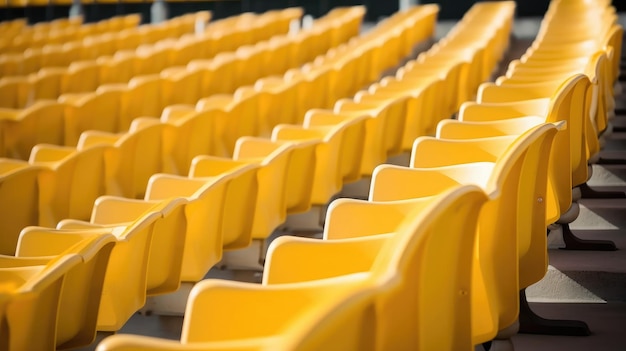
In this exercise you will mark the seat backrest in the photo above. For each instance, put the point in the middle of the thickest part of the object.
(431, 255)
(240, 199)
(82, 288)
(325, 175)
(19, 196)
(271, 209)
(203, 212)
(375, 144)
(98, 111)
(142, 99)
(137, 155)
(34, 307)
(45, 84)
(81, 77)
(70, 187)
(13, 92)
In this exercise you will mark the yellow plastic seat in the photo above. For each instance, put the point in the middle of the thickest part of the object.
(308, 329)
(277, 100)
(152, 59)
(240, 196)
(82, 287)
(376, 142)
(270, 205)
(118, 68)
(64, 191)
(53, 56)
(45, 84)
(10, 65)
(299, 179)
(204, 212)
(131, 157)
(168, 234)
(81, 77)
(334, 160)
(421, 111)
(33, 306)
(13, 91)
(124, 291)
(19, 203)
(192, 136)
(181, 86)
(273, 157)
(304, 85)
(396, 110)
(234, 116)
(364, 252)
(40, 123)
(565, 105)
(142, 99)
(98, 110)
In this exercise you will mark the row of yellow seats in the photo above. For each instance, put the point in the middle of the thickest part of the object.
(118, 105)
(577, 99)
(173, 147)
(63, 31)
(14, 26)
(91, 47)
(85, 76)
(127, 290)
(590, 52)
(107, 44)
(21, 25)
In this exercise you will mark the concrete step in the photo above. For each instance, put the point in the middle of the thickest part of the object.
(608, 176)
(588, 276)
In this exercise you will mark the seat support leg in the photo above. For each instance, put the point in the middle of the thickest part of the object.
(531, 323)
(572, 242)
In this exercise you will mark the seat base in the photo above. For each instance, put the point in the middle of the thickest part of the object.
(531, 323)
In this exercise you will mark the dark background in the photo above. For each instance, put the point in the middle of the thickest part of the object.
(376, 9)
